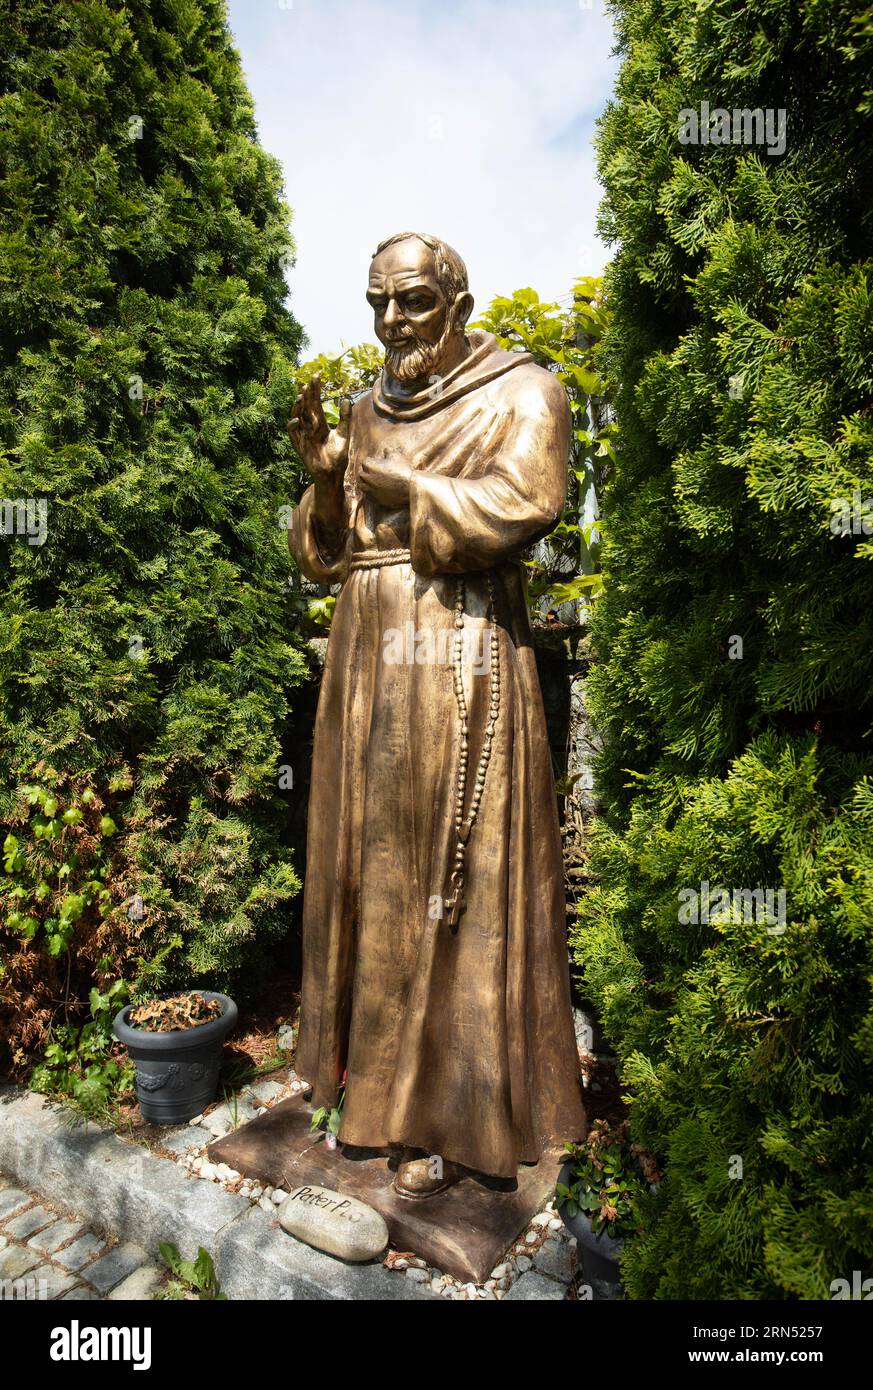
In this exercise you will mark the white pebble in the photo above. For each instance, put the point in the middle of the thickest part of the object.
(531, 1237)
(278, 1195)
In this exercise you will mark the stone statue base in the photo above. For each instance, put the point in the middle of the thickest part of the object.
(464, 1231)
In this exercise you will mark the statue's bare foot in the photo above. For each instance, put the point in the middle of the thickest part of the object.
(420, 1176)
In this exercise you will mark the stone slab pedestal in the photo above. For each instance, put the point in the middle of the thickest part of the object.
(463, 1231)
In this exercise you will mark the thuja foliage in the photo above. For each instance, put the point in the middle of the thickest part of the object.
(146, 377)
(734, 644)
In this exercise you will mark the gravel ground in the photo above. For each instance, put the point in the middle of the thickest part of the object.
(50, 1253)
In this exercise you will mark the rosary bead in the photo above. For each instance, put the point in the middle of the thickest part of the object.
(463, 826)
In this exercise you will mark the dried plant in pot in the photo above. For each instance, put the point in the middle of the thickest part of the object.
(175, 1044)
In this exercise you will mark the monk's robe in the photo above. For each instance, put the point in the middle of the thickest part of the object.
(455, 1041)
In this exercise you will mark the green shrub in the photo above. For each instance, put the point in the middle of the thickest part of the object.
(734, 676)
(83, 1063)
(146, 377)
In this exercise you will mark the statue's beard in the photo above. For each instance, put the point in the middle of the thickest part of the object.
(414, 359)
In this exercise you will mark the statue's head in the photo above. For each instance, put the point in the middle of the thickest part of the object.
(421, 304)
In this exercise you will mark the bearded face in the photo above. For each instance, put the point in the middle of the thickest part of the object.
(409, 357)
(417, 316)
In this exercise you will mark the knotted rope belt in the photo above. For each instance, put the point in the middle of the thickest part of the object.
(377, 559)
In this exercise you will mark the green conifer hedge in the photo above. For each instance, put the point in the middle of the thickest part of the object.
(734, 676)
(145, 385)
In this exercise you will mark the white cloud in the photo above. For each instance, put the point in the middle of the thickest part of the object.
(470, 119)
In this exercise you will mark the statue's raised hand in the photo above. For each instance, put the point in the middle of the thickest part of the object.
(325, 452)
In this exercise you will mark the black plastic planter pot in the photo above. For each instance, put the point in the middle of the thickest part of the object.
(599, 1254)
(177, 1072)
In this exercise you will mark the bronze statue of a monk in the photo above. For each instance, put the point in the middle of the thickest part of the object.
(435, 961)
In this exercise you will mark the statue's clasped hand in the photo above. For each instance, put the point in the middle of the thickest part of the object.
(386, 479)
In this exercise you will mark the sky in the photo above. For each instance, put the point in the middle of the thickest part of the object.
(469, 119)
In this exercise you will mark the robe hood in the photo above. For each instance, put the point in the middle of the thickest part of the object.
(486, 361)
